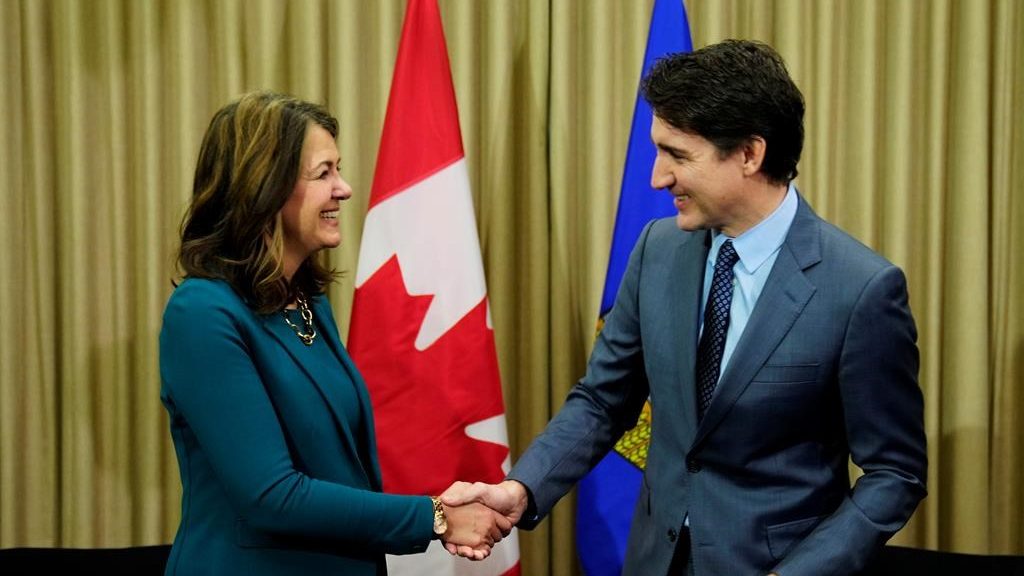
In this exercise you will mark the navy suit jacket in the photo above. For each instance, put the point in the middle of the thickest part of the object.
(275, 479)
(825, 369)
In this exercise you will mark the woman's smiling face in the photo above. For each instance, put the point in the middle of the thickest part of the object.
(309, 218)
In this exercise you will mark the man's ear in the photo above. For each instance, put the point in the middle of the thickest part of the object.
(753, 151)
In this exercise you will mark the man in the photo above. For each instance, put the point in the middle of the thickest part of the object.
(773, 347)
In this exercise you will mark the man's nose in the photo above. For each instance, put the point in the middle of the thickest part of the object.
(660, 177)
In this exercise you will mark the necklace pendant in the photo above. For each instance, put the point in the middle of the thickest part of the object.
(307, 339)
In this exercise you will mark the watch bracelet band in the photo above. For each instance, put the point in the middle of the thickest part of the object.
(439, 517)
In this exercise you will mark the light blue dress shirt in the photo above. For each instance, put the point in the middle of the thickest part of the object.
(758, 248)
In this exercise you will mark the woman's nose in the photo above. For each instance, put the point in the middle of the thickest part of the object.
(342, 190)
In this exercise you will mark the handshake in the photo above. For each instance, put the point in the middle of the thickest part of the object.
(479, 515)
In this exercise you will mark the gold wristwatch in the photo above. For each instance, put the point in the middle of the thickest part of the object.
(440, 520)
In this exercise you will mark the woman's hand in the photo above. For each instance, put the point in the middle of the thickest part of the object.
(473, 529)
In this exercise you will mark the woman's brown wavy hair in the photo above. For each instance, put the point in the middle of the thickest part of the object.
(247, 168)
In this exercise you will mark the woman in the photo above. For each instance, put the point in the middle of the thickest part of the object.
(271, 421)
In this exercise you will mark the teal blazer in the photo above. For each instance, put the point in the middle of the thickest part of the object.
(274, 479)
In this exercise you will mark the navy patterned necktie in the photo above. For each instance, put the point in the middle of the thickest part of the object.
(716, 326)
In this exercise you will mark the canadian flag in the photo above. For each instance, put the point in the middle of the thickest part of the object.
(421, 329)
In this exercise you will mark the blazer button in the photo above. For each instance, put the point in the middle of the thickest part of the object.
(672, 534)
(693, 466)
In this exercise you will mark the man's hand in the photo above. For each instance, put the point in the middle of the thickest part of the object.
(507, 499)
(473, 529)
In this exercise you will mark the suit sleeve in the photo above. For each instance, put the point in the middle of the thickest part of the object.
(884, 415)
(211, 382)
(604, 404)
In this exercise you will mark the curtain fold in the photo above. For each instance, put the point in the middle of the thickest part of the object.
(914, 145)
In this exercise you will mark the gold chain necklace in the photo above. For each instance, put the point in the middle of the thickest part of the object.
(309, 334)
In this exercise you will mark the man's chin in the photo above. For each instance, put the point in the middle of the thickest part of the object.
(688, 224)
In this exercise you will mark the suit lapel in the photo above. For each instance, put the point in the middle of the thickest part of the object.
(686, 280)
(322, 379)
(322, 309)
(785, 294)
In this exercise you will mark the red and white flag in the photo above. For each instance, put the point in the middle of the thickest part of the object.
(421, 330)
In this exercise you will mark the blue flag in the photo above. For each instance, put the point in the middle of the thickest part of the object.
(607, 496)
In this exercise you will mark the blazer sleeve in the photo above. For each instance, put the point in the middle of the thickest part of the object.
(884, 414)
(604, 404)
(211, 381)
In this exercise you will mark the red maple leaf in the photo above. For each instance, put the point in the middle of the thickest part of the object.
(423, 400)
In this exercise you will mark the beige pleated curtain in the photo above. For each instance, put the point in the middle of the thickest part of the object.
(915, 144)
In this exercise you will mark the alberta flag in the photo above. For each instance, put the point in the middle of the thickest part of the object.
(421, 327)
(607, 496)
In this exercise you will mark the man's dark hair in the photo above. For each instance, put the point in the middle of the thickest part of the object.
(729, 92)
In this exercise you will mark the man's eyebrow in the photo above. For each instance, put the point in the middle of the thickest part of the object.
(673, 150)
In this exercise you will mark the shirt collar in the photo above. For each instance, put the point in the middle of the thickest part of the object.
(758, 243)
